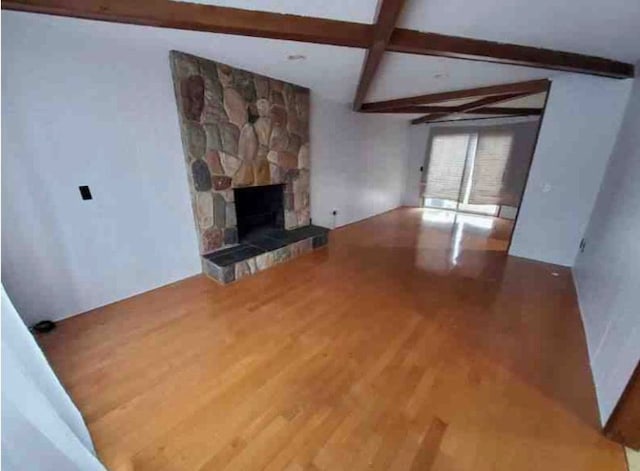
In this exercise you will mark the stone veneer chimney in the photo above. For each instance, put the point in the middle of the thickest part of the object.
(240, 129)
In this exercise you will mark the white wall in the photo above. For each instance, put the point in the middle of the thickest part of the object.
(91, 103)
(41, 427)
(418, 137)
(358, 163)
(80, 110)
(578, 132)
(607, 274)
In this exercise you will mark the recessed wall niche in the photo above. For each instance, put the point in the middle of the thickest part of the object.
(240, 129)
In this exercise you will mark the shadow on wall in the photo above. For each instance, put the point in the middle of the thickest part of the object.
(45, 255)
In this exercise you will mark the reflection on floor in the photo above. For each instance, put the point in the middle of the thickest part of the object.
(392, 348)
(453, 241)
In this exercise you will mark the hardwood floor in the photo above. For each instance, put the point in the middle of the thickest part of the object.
(409, 343)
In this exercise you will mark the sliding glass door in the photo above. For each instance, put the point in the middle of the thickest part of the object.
(477, 170)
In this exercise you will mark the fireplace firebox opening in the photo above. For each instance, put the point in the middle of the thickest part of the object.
(259, 210)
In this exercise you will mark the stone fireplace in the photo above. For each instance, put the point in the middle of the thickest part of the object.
(246, 146)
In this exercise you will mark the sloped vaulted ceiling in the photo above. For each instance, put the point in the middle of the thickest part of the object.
(586, 27)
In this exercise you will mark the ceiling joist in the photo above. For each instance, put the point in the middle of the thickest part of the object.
(418, 109)
(208, 18)
(468, 107)
(180, 15)
(516, 111)
(529, 87)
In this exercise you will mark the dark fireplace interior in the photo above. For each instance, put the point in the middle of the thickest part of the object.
(259, 211)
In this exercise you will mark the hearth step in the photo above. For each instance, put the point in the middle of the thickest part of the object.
(261, 251)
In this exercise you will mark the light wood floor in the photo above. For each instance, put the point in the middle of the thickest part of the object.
(411, 342)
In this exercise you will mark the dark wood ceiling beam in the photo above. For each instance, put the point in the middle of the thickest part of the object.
(529, 87)
(413, 109)
(468, 107)
(432, 44)
(386, 17)
(506, 110)
(209, 18)
(418, 109)
(472, 119)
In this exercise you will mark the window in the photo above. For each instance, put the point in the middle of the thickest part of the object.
(446, 166)
(470, 171)
(491, 158)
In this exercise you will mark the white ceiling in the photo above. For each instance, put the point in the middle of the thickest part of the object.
(359, 11)
(402, 75)
(331, 72)
(531, 101)
(608, 28)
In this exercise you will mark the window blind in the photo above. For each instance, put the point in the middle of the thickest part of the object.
(488, 184)
(445, 167)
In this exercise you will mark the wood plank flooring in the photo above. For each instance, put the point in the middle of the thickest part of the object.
(412, 342)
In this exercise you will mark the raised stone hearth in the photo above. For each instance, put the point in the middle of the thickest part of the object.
(262, 252)
(240, 130)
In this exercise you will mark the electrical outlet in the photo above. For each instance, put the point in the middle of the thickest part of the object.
(85, 192)
(334, 212)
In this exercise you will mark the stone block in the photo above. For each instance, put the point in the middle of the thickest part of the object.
(212, 157)
(264, 261)
(220, 182)
(230, 236)
(192, 96)
(219, 211)
(222, 275)
(230, 164)
(195, 139)
(243, 82)
(200, 175)
(184, 65)
(281, 255)
(235, 107)
(288, 201)
(204, 209)
(294, 144)
(263, 130)
(210, 240)
(225, 75)
(248, 143)
(278, 115)
(244, 176)
(290, 220)
(230, 135)
(262, 173)
(212, 132)
(231, 215)
(279, 140)
(262, 86)
(276, 173)
(304, 157)
(304, 217)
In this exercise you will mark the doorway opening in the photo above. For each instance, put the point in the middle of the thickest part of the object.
(479, 169)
